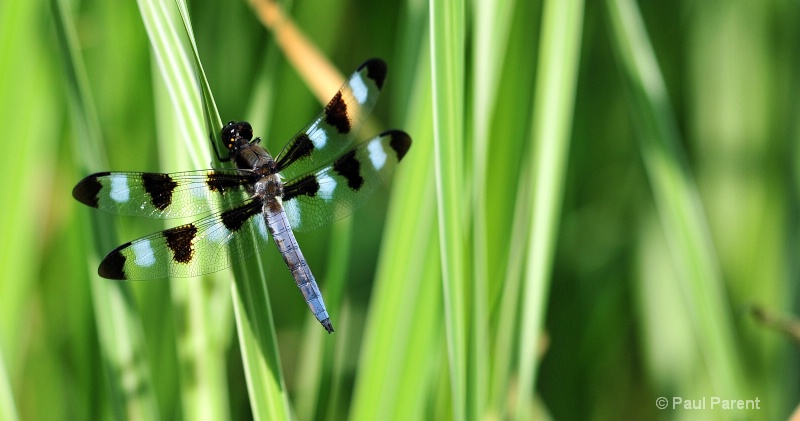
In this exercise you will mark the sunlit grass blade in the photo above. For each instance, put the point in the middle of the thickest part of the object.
(551, 127)
(318, 384)
(492, 25)
(177, 74)
(448, 69)
(507, 329)
(210, 112)
(252, 309)
(8, 409)
(202, 339)
(320, 376)
(118, 323)
(30, 93)
(255, 324)
(269, 399)
(396, 369)
(678, 204)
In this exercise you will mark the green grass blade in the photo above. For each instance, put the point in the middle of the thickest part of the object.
(448, 68)
(492, 25)
(30, 93)
(177, 76)
(269, 398)
(252, 310)
(203, 337)
(677, 201)
(210, 112)
(507, 330)
(8, 409)
(396, 374)
(118, 322)
(554, 98)
(257, 339)
(320, 376)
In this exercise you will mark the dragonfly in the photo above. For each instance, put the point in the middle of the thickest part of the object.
(320, 176)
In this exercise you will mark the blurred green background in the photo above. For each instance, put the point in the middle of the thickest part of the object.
(600, 242)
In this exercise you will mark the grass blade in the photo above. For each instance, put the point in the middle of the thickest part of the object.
(8, 409)
(396, 372)
(118, 322)
(252, 310)
(204, 336)
(30, 96)
(679, 208)
(448, 68)
(491, 29)
(556, 82)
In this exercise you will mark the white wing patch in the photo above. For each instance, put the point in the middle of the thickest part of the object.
(318, 137)
(327, 185)
(143, 255)
(120, 192)
(219, 234)
(199, 189)
(292, 211)
(377, 154)
(359, 88)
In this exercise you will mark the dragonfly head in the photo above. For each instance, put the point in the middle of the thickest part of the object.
(236, 130)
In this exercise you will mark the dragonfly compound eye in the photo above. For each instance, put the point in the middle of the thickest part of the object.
(244, 130)
(236, 130)
(229, 134)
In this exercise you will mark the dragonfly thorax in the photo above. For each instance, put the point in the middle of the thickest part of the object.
(269, 187)
(244, 150)
(250, 156)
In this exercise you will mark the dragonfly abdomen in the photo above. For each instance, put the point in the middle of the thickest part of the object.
(281, 232)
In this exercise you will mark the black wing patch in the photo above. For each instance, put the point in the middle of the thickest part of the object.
(335, 191)
(332, 132)
(208, 245)
(164, 196)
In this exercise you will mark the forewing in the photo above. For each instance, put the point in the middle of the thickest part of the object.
(335, 191)
(333, 130)
(208, 245)
(164, 196)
